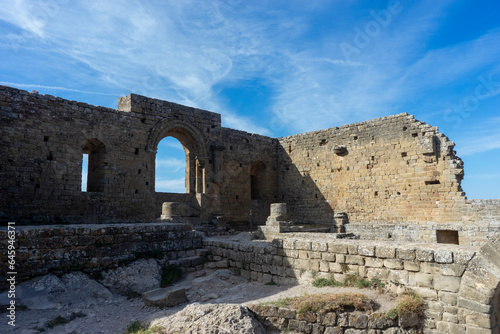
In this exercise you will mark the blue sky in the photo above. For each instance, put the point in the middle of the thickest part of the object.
(273, 67)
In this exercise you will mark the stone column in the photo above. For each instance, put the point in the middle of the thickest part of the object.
(278, 213)
(340, 219)
(170, 211)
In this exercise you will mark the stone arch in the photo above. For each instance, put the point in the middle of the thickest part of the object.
(96, 171)
(479, 294)
(194, 144)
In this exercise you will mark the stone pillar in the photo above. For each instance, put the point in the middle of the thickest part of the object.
(200, 176)
(340, 219)
(278, 213)
(170, 210)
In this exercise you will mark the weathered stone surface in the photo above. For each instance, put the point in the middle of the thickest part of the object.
(204, 318)
(164, 297)
(141, 276)
(409, 320)
(49, 291)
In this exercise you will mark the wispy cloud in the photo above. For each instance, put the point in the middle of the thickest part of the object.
(174, 186)
(184, 51)
(483, 143)
(172, 164)
(27, 86)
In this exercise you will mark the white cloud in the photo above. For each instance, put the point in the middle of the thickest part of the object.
(183, 51)
(27, 86)
(173, 186)
(480, 144)
(172, 164)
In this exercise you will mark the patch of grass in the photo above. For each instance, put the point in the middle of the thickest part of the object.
(409, 303)
(59, 320)
(351, 280)
(344, 267)
(136, 328)
(170, 274)
(322, 282)
(271, 283)
(324, 303)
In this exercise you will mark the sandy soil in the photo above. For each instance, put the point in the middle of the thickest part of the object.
(216, 287)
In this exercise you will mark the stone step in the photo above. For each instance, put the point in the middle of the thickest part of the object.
(189, 262)
(164, 297)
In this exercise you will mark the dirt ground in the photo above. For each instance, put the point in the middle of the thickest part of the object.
(214, 287)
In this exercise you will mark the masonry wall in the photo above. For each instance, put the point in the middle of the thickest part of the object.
(396, 170)
(44, 138)
(249, 162)
(460, 285)
(93, 248)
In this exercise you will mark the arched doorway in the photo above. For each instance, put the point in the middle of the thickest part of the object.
(194, 150)
(170, 166)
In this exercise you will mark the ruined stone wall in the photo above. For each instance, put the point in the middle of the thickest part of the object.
(93, 248)
(44, 138)
(249, 162)
(395, 169)
(459, 284)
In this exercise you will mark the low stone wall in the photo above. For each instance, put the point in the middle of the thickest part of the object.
(58, 249)
(468, 234)
(434, 271)
(284, 319)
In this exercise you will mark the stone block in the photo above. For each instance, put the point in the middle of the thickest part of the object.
(366, 250)
(164, 297)
(424, 255)
(443, 256)
(424, 280)
(374, 262)
(328, 319)
(303, 245)
(385, 252)
(411, 266)
(406, 253)
(354, 259)
(393, 264)
(448, 298)
(446, 283)
(352, 249)
(337, 248)
(452, 269)
(359, 321)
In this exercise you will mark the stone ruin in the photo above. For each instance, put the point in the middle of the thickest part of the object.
(391, 182)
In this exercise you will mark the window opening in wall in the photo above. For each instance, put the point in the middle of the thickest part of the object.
(85, 168)
(257, 182)
(95, 168)
(171, 159)
(447, 237)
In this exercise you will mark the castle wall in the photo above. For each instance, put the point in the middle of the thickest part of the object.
(44, 138)
(395, 170)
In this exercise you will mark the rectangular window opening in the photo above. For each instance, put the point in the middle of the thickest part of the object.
(447, 237)
(85, 169)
